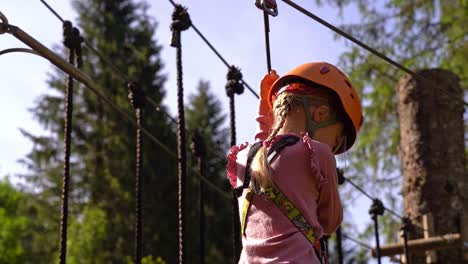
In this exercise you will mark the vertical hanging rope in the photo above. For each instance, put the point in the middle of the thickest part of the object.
(199, 151)
(267, 39)
(180, 21)
(269, 8)
(377, 209)
(339, 246)
(234, 86)
(137, 98)
(405, 228)
(72, 41)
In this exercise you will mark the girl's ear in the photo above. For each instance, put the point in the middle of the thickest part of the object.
(321, 113)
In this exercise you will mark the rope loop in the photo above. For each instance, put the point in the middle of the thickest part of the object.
(136, 95)
(377, 208)
(77, 41)
(234, 84)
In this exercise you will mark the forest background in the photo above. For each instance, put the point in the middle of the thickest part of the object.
(136, 35)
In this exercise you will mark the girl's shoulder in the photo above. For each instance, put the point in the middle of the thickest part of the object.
(318, 155)
(304, 143)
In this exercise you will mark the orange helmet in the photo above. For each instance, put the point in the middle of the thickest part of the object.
(328, 76)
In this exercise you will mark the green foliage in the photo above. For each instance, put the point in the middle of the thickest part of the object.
(14, 227)
(86, 238)
(152, 260)
(25, 228)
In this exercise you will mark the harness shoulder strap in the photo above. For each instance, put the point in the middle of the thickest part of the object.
(250, 156)
(280, 145)
(272, 154)
(276, 195)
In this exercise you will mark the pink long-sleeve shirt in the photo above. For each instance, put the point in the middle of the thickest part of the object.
(306, 174)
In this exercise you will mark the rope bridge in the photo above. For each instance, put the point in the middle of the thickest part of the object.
(235, 85)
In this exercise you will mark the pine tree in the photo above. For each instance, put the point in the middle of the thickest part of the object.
(103, 143)
(204, 114)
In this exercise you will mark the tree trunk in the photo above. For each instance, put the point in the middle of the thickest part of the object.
(433, 155)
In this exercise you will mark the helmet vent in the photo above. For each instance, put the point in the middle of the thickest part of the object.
(352, 95)
(324, 69)
(347, 83)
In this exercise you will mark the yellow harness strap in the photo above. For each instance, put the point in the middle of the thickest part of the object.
(290, 211)
(245, 209)
(285, 206)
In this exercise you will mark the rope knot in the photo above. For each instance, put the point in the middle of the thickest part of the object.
(73, 40)
(198, 145)
(180, 19)
(234, 84)
(377, 208)
(406, 225)
(136, 95)
(340, 175)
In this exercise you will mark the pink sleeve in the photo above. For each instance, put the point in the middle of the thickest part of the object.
(265, 121)
(329, 209)
(231, 168)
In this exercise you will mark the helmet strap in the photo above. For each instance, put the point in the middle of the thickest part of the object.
(312, 126)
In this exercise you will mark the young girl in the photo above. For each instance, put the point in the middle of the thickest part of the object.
(287, 183)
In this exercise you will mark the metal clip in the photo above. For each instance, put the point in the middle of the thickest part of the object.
(4, 25)
(268, 6)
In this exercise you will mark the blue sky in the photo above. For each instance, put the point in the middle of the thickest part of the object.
(235, 28)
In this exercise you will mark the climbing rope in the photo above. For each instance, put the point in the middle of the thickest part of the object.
(405, 228)
(180, 21)
(269, 7)
(72, 40)
(137, 99)
(377, 209)
(360, 243)
(53, 11)
(217, 53)
(361, 44)
(199, 151)
(338, 245)
(121, 76)
(234, 86)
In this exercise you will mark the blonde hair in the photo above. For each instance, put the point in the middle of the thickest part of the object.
(282, 107)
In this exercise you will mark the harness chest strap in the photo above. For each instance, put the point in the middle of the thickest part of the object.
(286, 207)
(274, 193)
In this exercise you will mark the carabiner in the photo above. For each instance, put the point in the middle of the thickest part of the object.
(269, 6)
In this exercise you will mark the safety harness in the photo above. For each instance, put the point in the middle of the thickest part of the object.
(274, 194)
